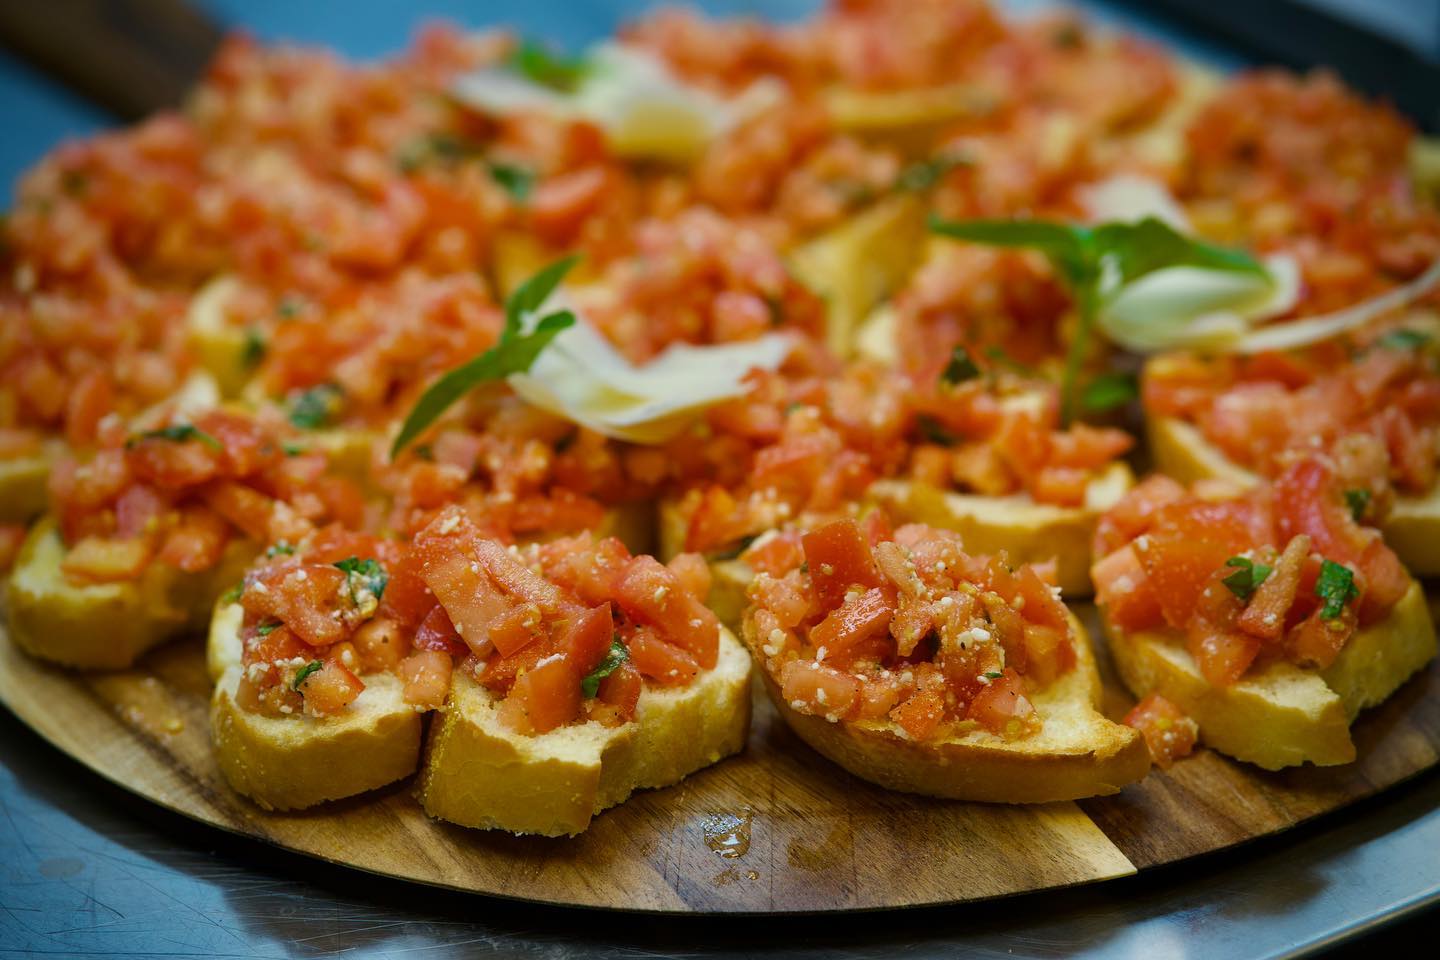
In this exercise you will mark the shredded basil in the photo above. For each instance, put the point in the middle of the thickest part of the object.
(1108, 391)
(1404, 340)
(1247, 577)
(268, 627)
(960, 367)
(317, 406)
(934, 431)
(365, 574)
(280, 548)
(540, 64)
(304, 672)
(1336, 586)
(1358, 501)
(517, 181)
(177, 433)
(617, 655)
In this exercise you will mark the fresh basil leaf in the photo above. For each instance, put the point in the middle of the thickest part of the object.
(513, 354)
(993, 675)
(922, 176)
(1358, 501)
(1152, 244)
(178, 433)
(961, 367)
(281, 548)
(538, 63)
(1403, 339)
(1247, 577)
(253, 350)
(233, 594)
(1335, 586)
(734, 552)
(934, 431)
(517, 181)
(316, 407)
(268, 627)
(1067, 247)
(367, 575)
(1108, 391)
(304, 672)
(617, 655)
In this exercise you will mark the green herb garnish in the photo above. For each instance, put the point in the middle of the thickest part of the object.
(539, 63)
(1108, 391)
(292, 449)
(233, 594)
(919, 177)
(437, 146)
(993, 675)
(178, 433)
(1403, 339)
(1358, 501)
(1336, 586)
(1247, 577)
(961, 367)
(934, 431)
(317, 406)
(517, 181)
(304, 672)
(733, 553)
(617, 655)
(268, 627)
(515, 352)
(367, 575)
(280, 548)
(1096, 263)
(290, 308)
(253, 350)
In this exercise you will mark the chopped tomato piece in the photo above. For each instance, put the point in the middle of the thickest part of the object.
(652, 594)
(1222, 655)
(820, 690)
(436, 632)
(103, 560)
(1316, 641)
(1122, 588)
(426, 675)
(659, 660)
(839, 558)
(622, 689)
(515, 629)
(920, 714)
(1265, 614)
(1168, 732)
(543, 698)
(381, 645)
(329, 689)
(1002, 708)
(587, 637)
(860, 617)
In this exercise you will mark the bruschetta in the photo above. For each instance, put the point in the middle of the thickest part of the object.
(155, 525)
(1236, 418)
(592, 673)
(918, 666)
(1268, 615)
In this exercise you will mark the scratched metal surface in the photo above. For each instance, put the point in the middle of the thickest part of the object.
(87, 870)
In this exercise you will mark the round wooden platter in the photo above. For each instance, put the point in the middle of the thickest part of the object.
(774, 830)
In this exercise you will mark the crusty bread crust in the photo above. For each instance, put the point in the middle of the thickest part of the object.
(1282, 715)
(24, 492)
(1027, 531)
(107, 626)
(289, 763)
(478, 773)
(1412, 528)
(1078, 753)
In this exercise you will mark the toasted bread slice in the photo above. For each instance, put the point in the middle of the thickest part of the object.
(24, 492)
(861, 262)
(909, 119)
(288, 763)
(1077, 753)
(1027, 531)
(1282, 715)
(108, 626)
(1412, 528)
(479, 773)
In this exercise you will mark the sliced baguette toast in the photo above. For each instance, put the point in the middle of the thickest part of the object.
(478, 773)
(1412, 528)
(1077, 753)
(1027, 531)
(1281, 715)
(289, 763)
(24, 480)
(108, 626)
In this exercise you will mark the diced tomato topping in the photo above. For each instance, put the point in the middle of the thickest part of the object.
(381, 645)
(845, 630)
(426, 675)
(330, 689)
(436, 632)
(1168, 732)
(621, 690)
(652, 594)
(587, 637)
(543, 698)
(839, 557)
(823, 690)
(102, 560)
(920, 714)
(1122, 589)
(660, 661)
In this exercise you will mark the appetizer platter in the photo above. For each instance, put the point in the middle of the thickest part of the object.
(908, 456)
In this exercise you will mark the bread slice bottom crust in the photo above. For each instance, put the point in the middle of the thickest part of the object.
(1077, 753)
(1282, 715)
(479, 773)
(24, 484)
(1412, 528)
(1027, 531)
(289, 763)
(107, 626)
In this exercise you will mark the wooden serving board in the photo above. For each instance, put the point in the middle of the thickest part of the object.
(775, 830)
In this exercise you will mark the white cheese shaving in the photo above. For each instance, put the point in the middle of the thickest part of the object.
(646, 111)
